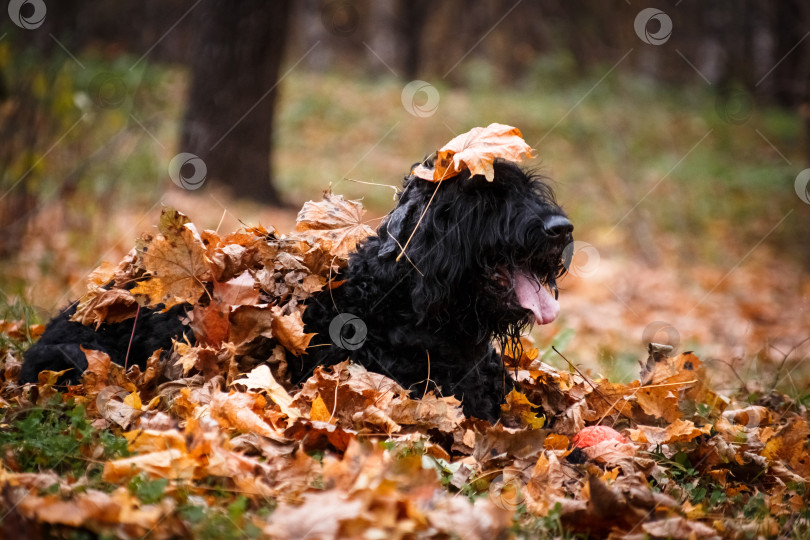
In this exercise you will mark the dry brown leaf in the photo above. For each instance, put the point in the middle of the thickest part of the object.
(235, 410)
(231, 255)
(318, 435)
(498, 440)
(175, 260)
(172, 463)
(678, 431)
(677, 528)
(610, 399)
(319, 412)
(754, 415)
(320, 516)
(545, 486)
(289, 330)
(791, 445)
(375, 419)
(482, 520)
(210, 361)
(610, 452)
(334, 223)
(94, 508)
(659, 402)
(100, 305)
(476, 150)
(349, 389)
(238, 291)
(429, 412)
(210, 323)
(98, 370)
(555, 441)
(250, 322)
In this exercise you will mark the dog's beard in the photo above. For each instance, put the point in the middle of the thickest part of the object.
(513, 298)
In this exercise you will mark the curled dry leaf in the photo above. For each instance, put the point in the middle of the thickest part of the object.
(236, 410)
(210, 323)
(98, 369)
(678, 431)
(476, 150)
(289, 330)
(610, 451)
(100, 305)
(261, 378)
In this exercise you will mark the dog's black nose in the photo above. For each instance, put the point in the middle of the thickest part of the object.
(557, 225)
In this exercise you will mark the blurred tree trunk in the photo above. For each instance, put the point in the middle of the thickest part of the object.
(234, 77)
(413, 18)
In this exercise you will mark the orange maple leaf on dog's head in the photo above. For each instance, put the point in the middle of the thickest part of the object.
(476, 150)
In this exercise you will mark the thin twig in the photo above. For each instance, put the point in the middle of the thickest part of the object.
(595, 389)
(134, 324)
(784, 361)
(427, 381)
(413, 232)
(395, 188)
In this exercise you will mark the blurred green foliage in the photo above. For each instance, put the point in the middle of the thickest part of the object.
(626, 154)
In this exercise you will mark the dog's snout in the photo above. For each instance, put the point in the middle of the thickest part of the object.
(557, 225)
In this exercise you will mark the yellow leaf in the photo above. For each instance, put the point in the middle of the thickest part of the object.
(319, 412)
(133, 400)
(555, 441)
(519, 406)
(236, 410)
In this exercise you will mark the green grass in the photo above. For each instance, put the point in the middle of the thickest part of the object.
(607, 146)
(56, 437)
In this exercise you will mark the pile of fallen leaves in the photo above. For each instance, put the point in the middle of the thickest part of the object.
(209, 441)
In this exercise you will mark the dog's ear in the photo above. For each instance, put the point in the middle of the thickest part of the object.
(390, 232)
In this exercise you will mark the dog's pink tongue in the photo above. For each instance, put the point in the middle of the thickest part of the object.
(536, 298)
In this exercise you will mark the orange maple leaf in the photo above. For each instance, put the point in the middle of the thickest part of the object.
(476, 150)
(175, 260)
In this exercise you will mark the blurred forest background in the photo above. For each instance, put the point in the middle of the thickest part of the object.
(676, 134)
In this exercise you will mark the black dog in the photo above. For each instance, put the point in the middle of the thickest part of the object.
(59, 349)
(482, 265)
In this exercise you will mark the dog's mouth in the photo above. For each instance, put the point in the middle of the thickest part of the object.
(533, 296)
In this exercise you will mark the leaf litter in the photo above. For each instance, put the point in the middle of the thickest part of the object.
(350, 454)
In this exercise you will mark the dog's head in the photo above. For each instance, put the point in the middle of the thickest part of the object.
(484, 256)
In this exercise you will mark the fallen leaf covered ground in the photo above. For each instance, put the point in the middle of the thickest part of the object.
(210, 441)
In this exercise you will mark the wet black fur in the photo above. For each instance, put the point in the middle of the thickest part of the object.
(434, 313)
(430, 317)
